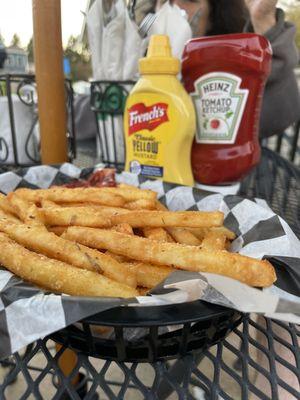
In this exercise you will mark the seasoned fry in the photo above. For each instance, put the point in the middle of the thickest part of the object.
(123, 228)
(141, 204)
(6, 206)
(47, 243)
(180, 235)
(131, 193)
(140, 219)
(9, 217)
(112, 268)
(157, 234)
(92, 206)
(49, 204)
(143, 291)
(250, 271)
(41, 241)
(68, 216)
(214, 240)
(56, 275)
(148, 275)
(183, 236)
(201, 232)
(66, 195)
(58, 230)
(27, 212)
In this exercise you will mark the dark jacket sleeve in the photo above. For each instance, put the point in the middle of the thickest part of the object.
(281, 102)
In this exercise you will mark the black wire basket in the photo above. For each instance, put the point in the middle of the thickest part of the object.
(149, 334)
(108, 100)
(23, 148)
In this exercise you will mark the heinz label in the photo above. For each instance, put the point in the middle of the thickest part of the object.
(220, 103)
(149, 118)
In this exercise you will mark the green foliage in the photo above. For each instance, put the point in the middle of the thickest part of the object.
(79, 58)
(29, 49)
(16, 41)
(293, 15)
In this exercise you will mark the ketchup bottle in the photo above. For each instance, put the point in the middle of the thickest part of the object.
(225, 76)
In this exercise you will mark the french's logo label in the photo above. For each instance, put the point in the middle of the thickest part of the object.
(143, 117)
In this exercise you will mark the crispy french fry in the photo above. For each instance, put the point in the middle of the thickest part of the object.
(123, 228)
(66, 216)
(66, 195)
(27, 212)
(57, 275)
(148, 275)
(157, 234)
(180, 235)
(58, 230)
(141, 204)
(49, 204)
(140, 219)
(250, 271)
(120, 259)
(183, 236)
(214, 240)
(201, 232)
(92, 206)
(6, 206)
(9, 217)
(41, 241)
(131, 193)
(143, 291)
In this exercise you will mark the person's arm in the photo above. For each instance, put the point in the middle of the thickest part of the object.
(281, 102)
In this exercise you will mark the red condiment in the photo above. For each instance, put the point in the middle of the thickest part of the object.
(101, 178)
(225, 76)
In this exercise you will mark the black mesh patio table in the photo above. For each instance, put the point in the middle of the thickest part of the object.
(259, 359)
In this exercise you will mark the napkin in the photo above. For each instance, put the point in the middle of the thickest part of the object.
(171, 21)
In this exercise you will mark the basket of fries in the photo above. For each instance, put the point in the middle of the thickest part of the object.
(131, 269)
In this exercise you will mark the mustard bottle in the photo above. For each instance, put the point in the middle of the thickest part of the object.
(159, 120)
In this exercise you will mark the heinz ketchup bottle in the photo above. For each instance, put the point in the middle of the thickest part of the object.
(225, 76)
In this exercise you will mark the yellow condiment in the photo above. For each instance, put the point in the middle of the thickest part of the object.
(159, 118)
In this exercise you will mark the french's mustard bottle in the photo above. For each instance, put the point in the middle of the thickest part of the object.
(159, 120)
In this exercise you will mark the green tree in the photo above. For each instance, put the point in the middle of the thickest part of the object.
(29, 49)
(15, 41)
(79, 58)
(293, 15)
(2, 41)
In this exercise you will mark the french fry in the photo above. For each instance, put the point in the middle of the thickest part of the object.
(57, 275)
(148, 275)
(6, 206)
(141, 204)
(58, 230)
(201, 232)
(41, 241)
(131, 193)
(183, 236)
(214, 240)
(67, 195)
(140, 219)
(143, 291)
(157, 234)
(112, 268)
(49, 204)
(180, 235)
(10, 218)
(68, 216)
(27, 212)
(123, 228)
(250, 271)
(104, 209)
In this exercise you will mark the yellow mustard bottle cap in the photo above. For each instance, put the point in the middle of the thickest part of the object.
(159, 58)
